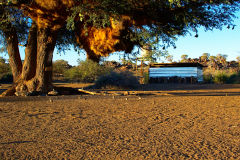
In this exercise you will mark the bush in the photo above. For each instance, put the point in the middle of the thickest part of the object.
(124, 79)
(208, 78)
(234, 78)
(4, 68)
(220, 77)
(87, 71)
(6, 78)
(229, 76)
(72, 74)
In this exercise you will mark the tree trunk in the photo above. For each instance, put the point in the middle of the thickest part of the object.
(37, 76)
(30, 61)
(46, 44)
(13, 52)
(36, 73)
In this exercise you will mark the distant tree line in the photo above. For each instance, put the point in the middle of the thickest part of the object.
(88, 71)
(216, 62)
(217, 68)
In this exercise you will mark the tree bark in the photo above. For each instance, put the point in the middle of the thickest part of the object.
(13, 52)
(30, 61)
(46, 44)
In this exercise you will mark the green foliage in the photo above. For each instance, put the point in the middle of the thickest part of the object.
(205, 57)
(11, 20)
(207, 78)
(221, 58)
(6, 78)
(154, 55)
(86, 71)
(72, 74)
(66, 40)
(2, 60)
(124, 79)
(221, 76)
(212, 58)
(234, 78)
(4, 67)
(5, 72)
(60, 66)
(184, 58)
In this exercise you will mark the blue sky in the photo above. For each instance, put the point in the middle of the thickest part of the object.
(226, 41)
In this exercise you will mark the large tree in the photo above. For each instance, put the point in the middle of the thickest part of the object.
(101, 27)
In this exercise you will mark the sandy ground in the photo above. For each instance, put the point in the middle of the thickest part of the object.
(185, 122)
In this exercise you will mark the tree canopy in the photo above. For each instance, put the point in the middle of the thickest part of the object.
(105, 26)
(155, 22)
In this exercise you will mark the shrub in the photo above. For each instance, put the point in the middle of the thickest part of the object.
(230, 76)
(208, 78)
(6, 78)
(4, 67)
(220, 77)
(87, 71)
(72, 74)
(124, 79)
(234, 78)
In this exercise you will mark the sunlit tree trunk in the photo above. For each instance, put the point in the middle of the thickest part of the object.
(30, 61)
(46, 43)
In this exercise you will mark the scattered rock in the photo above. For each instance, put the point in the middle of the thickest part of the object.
(22, 94)
(53, 93)
(126, 93)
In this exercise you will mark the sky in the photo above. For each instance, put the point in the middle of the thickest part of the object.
(226, 41)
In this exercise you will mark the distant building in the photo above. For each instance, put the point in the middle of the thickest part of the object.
(176, 73)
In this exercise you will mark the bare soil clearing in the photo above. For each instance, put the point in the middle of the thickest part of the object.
(162, 122)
